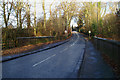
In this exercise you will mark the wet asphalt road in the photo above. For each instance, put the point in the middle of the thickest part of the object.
(58, 62)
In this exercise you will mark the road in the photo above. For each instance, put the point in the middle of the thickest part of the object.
(58, 62)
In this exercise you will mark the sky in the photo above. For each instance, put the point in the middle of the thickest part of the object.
(56, 2)
(39, 10)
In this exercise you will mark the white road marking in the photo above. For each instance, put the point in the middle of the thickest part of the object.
(70, 45)
(64, 50)
(43, 60)
(55, 54)
(75, 41)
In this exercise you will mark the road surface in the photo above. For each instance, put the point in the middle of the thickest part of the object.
(58, 62)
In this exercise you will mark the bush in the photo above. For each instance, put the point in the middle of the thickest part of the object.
(9, 36)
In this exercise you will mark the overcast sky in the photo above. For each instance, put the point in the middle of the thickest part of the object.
(55, 3)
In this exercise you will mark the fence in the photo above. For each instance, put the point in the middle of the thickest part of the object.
(108, 47)
(9, 36)
(19, 37)
(34, 40)
(22, 41)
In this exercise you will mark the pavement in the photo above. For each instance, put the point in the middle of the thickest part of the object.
(64, 61)
(93, 65)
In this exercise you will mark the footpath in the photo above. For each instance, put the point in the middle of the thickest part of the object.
(93, 65)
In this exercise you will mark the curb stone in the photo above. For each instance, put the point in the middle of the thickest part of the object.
(49, 46)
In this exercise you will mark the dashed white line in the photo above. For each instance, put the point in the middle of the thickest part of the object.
(54, 54)
(43, 60)
(75, 41)
(63, 50)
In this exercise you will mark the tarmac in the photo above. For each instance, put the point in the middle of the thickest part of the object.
(93, 65)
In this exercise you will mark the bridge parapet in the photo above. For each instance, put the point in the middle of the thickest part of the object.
(108, 47)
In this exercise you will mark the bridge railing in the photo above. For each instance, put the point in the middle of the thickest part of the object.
(35, 37)
(22, 41)
(108, 47)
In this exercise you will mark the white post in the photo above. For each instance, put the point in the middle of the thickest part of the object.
(89, 34)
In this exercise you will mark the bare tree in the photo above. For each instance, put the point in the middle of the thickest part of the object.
(51, 18)
(43, 6)
(28, 15)
(69, 9)
(35, 17)
(6, 15)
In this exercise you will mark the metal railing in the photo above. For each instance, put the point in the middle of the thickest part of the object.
(36, 37)
(21, 41)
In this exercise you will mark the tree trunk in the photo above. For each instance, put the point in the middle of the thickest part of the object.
(43, 6)
(28, 16)
(17, 18)
(6, 19)
(20, 21)
(35, 18)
